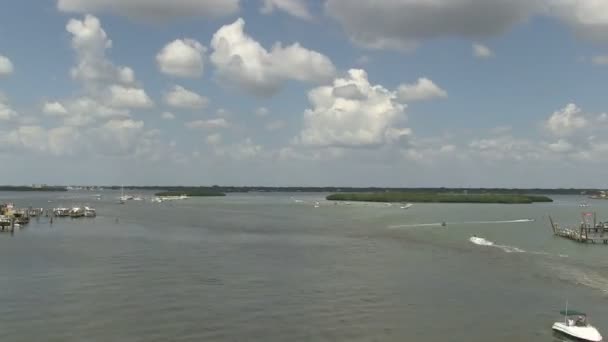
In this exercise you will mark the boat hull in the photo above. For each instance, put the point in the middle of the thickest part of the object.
(588, 333)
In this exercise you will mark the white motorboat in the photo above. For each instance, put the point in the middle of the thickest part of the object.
(575, 325)
(77, 212)
(61, 212)
(406, 206)
(89, 212)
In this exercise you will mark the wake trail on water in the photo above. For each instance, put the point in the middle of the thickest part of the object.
(507, 249)
(442, 224)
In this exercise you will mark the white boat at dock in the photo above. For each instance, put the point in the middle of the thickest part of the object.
(77, 212)
(89, 212)
(575, 325)
(61, 212)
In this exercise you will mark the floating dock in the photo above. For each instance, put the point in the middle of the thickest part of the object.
(589, 230)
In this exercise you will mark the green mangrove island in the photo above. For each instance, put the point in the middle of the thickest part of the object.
(438, 197)
(192, 193)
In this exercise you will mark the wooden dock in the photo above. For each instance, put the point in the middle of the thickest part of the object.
(589, 231)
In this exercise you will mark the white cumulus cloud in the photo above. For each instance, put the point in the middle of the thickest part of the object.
(588, 18)
(401, 24)
(208, 124)
(566, 120)
(182, 58)
(352, 122)
(82, 111)
(423, 90)
(129, 97)
(90, 42)
(214, 139)
(296, 8)
(54, 108)
(180, 97)
(482, 51)
(243, 62)
(560, 146)
(6, 66)
(6, 112)
(167, 116)
(152, 9)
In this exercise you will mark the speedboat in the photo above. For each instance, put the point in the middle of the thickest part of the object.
(406, 206)
(575, 325)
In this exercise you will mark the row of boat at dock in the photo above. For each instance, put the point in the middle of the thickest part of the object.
(74, 212)
(12, 217)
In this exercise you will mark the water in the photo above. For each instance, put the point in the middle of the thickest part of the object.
(271, 267)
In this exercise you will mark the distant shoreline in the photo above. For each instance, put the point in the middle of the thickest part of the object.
(312, 189)
(32, 188)
(438, 198)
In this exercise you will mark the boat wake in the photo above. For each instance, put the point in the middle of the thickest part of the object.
(498, 222)
(445, 224)
(509, 249)
(483, 242)
(439, 224)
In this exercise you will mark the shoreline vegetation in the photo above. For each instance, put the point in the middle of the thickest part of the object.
(191, 193)
(438, 197)
(334, 189)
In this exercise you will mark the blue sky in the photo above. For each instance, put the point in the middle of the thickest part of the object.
(293, 92)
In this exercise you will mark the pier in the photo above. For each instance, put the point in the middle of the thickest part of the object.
(589, 230)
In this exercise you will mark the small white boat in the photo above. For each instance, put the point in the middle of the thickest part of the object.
(575, 325)
(317, 204)
(89, 212)
(61, 212)
(406, 206)
(77, 212)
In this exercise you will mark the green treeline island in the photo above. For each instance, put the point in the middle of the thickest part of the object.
(191, 193)
(438, 197)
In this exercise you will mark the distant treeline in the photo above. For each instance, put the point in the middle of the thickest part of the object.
(31, 188)
(331, 189)
(438, 197)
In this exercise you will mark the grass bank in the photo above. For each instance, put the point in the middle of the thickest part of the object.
(438, 197)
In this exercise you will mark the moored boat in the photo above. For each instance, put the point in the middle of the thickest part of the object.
(77, 212)
(89, 212)
(61, 212)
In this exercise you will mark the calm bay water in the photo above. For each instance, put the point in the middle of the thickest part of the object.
(271, 267)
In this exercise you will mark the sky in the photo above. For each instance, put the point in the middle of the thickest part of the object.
(400, 93)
